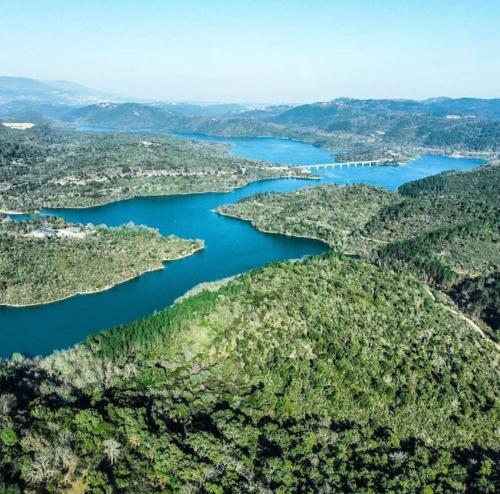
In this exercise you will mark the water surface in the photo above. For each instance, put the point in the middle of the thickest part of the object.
(275, 150)
(232, 246)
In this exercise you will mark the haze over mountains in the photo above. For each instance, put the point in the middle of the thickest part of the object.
(364, 128)
(53, 92)
(14, 90)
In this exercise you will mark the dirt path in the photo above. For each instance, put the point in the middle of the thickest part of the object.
(374, 240)
(469, 321)
(474, 326)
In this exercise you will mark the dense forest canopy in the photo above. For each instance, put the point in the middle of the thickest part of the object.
(46, 259)
(328, 373)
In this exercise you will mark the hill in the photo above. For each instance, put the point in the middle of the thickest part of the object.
(224, 120)
(444, 229)
(43, 167)
(353, 129)
(466, 124)
(124, 116)
(482, 182)
(325, 372)
(323, 114)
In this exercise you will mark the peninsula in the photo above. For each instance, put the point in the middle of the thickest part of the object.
(46, 259)
(44, 167)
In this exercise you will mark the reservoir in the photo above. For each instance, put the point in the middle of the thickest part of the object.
(231, 246)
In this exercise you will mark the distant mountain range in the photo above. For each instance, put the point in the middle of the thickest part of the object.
(322, 114)
(50, 92)
(364, 126)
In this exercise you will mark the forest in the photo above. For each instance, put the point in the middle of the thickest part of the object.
(373, 368)
(444, 229)
(46, 259)
(324, 375)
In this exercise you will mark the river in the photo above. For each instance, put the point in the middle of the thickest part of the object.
(232, 246)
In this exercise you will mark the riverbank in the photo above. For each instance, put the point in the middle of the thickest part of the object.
(78, 177)
(441, 229)
(232, 247)
(292, 176)
(270, 232)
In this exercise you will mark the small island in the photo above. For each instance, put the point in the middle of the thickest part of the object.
(46, 259)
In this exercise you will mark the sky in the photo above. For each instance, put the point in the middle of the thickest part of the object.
(266, 51)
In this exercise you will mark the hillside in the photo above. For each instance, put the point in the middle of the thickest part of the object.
(43, 167)
(223, 120)
(125, 116)
(354, 129)
(482, 182)
(46, 259)
(329, 213)
(444, 229)
(446, 124)
(321, 114)
(325, 372)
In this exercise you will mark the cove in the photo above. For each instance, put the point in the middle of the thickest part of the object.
(232, 247)
(272, 149)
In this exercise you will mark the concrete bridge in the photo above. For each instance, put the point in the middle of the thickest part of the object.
(346, 163)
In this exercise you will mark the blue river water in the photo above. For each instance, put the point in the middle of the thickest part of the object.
(231, 246)
(284, 151)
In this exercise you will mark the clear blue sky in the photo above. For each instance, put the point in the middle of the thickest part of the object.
(257, 50)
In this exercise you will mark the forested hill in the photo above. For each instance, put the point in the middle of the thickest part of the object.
(352, 128)
(320, 114)
(46, 167)
(324, 373)
(444, 229)
(46, 259)
(483, 182)
(443, 123)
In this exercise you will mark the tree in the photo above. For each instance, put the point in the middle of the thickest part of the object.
(112, 449)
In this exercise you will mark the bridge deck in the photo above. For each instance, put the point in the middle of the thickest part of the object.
(347, 163)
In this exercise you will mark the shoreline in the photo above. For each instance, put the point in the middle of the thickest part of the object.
(109, 287)
(293, 235)
(310, 176)
(477, 155)
(205, 285)
(14, 213)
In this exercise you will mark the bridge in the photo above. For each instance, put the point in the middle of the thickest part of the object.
(348, 163)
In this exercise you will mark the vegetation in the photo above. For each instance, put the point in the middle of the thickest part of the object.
(325, 375)
(481, 182)
(46, 259)
(355, 129)
(42, 167)
(329, 213)
(443, 124)
(330, 374)
(479, 296)
(445, 229)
